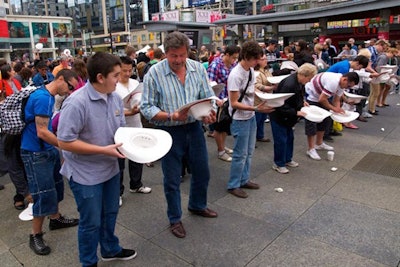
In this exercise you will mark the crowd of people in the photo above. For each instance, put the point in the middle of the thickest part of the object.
(72, 117)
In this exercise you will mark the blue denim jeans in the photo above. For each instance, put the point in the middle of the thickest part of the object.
(188, 140)
(283, 143)
(98, 209)
(244, 133)
(260, 119)
(45, 182)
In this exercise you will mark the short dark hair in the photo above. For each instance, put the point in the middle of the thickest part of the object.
(232, 49)
(67, 74)
(18, 66)
(126, 60)
(251, 50)
(41, 65)
(352, 77)
(362, 60)
(102, 63)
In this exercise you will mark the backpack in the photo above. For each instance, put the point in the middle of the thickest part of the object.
(12, 112)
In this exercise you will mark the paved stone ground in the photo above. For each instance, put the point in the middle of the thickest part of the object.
(322, 218)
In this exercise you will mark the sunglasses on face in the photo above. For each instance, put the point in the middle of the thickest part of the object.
(70, 86)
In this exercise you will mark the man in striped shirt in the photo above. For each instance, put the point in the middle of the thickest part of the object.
(169, 85)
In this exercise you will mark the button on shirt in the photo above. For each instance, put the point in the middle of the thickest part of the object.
(88, 117)
(163, 91)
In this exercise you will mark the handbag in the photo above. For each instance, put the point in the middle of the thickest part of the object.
(223, 111)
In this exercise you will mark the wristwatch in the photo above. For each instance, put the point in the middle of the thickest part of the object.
(170, 117)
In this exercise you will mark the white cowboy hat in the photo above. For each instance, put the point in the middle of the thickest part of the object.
(388, 68)
(288, 64)
(200, 108)
(348, 116)
(217, 87)
(274, 100)
(276, 79)
(134, 97)
(143, 145)
(315, 113)
(67, 52)
(39, 46)
(355, 98)
(26, 214)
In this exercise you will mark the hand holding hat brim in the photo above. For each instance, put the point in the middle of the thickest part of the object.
(143, 145)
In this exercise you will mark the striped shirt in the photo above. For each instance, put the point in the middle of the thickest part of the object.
(163, 91)
(325, 83)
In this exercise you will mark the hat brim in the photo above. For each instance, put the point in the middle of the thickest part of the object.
(276, 79)
(26, 214)
(143, 145)
(355, 98)
(217, 87)
(315, 113)
(348, 116)
(274, 100)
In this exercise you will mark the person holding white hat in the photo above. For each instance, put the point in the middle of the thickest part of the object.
(319, 90)
(169, 85)
(89, 119)
(126, 86)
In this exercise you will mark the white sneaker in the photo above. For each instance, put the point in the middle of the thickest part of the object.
(282, 170)
(225, 157)
(142, 189)
(120, 201)
(292, 164)
(367, 115)
(266, 120)
(312, 153)
(228, 150)
(323, 146)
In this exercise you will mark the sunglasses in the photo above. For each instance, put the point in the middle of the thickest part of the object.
(70, 86)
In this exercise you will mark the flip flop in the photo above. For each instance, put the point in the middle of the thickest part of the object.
(27, 214)
(351, 126)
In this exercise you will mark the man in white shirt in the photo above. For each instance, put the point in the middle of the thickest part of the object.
(322, 87)
(125, 87)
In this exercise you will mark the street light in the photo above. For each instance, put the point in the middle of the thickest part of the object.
(110, 32)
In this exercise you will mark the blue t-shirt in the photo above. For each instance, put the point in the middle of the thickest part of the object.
(340, 67)
(40, 103)
(39, 80)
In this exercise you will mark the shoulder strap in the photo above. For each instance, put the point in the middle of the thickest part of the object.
(245, 89)
(244, 92)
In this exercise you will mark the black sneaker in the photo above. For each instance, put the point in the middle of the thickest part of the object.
(62, 222)
(124, 255)
(37, 244)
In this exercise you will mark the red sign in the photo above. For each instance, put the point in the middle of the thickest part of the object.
(4, 29)
(267, 8)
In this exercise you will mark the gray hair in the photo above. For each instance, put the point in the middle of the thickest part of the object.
(307, 69)
(176, 40)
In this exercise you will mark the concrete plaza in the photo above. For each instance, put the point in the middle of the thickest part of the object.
(350, 217)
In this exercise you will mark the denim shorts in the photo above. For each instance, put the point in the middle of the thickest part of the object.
(45, 182)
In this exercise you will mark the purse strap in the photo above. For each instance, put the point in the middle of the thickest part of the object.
(244, 92)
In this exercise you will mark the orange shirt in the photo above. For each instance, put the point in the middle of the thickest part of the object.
(5, 86)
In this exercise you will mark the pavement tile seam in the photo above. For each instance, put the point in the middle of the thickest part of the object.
(332, 194)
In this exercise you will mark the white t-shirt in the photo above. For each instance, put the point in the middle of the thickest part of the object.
(330, 84)
(122, 91)
(237, 81)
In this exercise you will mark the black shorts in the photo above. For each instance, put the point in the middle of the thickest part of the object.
(222, 127)
(311, 128)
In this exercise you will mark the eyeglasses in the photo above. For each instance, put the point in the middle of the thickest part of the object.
(70, 86)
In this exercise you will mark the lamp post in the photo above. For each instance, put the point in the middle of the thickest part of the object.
(110, 32)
